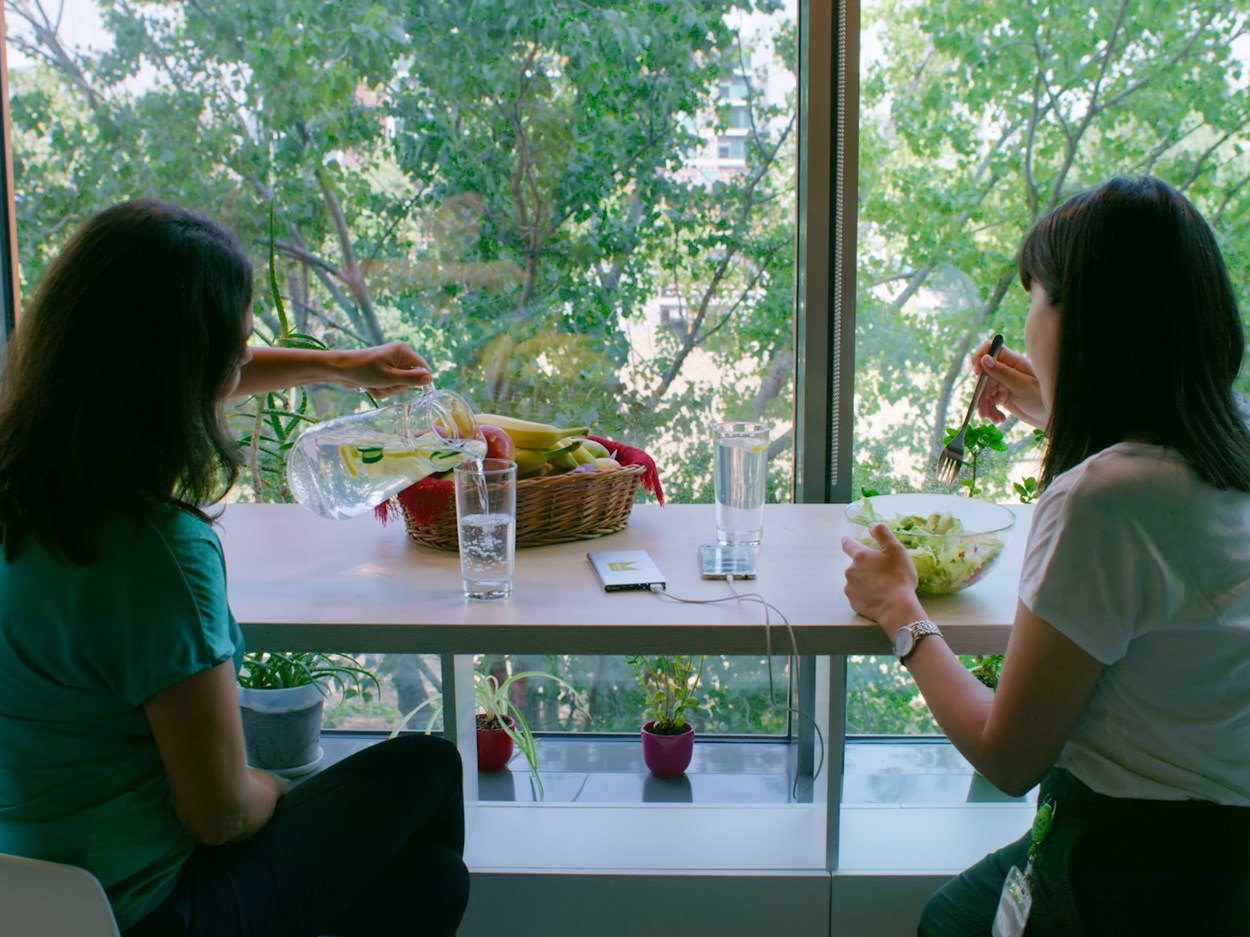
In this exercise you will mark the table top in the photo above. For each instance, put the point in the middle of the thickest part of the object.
(300, 582)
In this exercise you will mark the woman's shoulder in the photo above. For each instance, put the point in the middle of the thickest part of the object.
(158, 528)
(1122, 481)
(175, 521)
(1128, 470)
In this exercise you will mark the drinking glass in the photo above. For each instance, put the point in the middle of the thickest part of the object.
(486, 526)
(740, 469)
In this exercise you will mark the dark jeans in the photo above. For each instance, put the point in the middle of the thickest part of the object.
(1114, 866)
(369, 846)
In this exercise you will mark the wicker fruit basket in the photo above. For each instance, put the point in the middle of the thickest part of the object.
(550, 509)
(553, 509)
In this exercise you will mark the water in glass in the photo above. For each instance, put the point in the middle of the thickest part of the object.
(740, 466)
(486, 526)
(487, 551)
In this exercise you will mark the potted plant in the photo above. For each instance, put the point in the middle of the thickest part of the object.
(670, 682)
(501, 727)
(282, 697)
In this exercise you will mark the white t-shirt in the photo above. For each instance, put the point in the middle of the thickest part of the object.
(1147, 568)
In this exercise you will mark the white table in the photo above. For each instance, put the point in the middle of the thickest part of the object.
(299, 581)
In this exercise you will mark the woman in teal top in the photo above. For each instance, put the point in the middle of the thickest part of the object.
(121, 745)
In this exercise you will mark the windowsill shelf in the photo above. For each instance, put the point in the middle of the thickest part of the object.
(913, 807)
(672, 838)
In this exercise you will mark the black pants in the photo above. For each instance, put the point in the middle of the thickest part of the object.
(1113, 866)
(369, 846)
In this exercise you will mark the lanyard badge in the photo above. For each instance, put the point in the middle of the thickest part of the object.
(1016, 900)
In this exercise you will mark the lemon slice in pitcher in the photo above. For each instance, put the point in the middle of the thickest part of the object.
(377, 461)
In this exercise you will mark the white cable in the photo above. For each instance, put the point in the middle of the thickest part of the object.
(741, 597)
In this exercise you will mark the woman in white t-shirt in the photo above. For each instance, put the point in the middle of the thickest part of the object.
(1125, 690)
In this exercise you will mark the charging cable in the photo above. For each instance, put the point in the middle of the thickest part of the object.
(769, 609)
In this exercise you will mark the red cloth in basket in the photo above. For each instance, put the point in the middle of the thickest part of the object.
(426, 500)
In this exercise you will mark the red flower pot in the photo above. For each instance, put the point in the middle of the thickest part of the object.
(494, 748)
(667, 755)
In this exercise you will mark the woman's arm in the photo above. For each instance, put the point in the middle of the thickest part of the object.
(382, 369)
(199, 734)
(1011, 736)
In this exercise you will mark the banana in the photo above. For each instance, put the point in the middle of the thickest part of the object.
(582, 455)
(530, 462)
(530, 435)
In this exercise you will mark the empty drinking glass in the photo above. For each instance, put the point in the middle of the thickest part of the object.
(740, 469)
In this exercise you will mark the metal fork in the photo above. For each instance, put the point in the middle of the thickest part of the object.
(951, 458)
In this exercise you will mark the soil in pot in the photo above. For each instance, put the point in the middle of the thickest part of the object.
(494, 745)
(667, 756)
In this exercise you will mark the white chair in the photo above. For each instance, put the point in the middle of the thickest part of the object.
(48, 899)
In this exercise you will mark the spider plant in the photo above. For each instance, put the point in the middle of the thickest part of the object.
(266, 670)
(495, 710)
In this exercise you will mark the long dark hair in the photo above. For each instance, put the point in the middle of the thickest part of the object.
(1150, 340)
(111, 389)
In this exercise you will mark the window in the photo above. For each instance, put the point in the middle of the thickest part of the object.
(963, 144)
(732, 148)
(735, 88)
(557, 231)
(574, 234)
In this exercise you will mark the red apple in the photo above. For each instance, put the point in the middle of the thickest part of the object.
(499, 445)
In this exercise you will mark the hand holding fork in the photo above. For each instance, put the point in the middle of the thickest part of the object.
(951, 458)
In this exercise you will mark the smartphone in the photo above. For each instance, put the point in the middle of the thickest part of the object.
(718, 560)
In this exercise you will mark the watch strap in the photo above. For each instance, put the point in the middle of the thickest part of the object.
(919, 629)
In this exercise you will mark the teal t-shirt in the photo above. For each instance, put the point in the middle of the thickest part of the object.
(81, 649)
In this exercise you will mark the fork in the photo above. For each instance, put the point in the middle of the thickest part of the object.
(951, 458)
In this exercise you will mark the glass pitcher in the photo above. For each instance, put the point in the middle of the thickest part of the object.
(347, 465)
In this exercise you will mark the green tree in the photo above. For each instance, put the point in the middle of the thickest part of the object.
(978, 118)
(499, 182)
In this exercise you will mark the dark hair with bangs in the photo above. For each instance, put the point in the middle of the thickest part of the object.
(111, 389)
(1150, 340)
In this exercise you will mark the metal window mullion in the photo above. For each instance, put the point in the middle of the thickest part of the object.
(825, 326)
(9, 278)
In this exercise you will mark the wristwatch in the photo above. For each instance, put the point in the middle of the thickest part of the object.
(909, 636)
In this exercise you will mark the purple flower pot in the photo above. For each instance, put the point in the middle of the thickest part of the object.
(667, 755)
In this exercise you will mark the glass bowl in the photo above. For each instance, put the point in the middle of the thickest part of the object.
(953, 541)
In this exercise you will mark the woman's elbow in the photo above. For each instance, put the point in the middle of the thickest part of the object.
(217, 827)
(1011, 780)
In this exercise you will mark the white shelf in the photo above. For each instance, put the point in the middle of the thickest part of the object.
(687, 838)
(701, 839)
(929, 838)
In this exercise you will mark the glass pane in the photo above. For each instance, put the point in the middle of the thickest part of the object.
(602, 694)
(554, 228)
(517, 221)
(975, 120)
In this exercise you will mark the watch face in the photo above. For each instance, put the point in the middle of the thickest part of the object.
(904, 641)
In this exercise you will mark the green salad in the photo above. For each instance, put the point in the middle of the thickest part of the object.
(946, 556)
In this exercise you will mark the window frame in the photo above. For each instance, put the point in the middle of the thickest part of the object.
(10, 298)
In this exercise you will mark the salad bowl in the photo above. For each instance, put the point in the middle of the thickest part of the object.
(953, 542)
